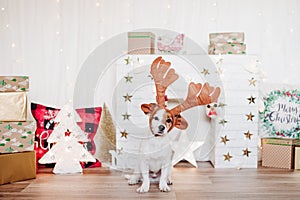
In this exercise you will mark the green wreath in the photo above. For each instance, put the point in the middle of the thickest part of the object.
(267, 125)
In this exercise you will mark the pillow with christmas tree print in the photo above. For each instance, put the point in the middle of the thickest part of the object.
(45, 115)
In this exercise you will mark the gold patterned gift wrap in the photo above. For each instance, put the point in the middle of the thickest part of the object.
(17, 136)
(229, 37)
(13, 106)
(227, 48)
(279, 152)
(14, 83)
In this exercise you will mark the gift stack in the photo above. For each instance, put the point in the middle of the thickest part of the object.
(226, 43)
(141, 43)
(17, 155)
(279, 152)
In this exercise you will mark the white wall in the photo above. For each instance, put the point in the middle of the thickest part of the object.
(49, 40)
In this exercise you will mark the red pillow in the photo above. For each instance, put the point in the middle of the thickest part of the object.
(45, 116)
(90, 120)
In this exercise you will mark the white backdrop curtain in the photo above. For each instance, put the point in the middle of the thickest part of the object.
(49, 40)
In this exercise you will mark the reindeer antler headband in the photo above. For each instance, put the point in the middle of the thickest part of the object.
(198, 94)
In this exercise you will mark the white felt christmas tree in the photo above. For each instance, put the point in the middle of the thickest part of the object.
(67, 138)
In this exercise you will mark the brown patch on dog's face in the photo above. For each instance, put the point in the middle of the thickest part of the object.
(161, 120)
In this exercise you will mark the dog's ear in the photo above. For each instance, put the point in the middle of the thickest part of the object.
(180, 122)
(146, 108)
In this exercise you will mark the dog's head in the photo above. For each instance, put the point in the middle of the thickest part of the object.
(161, 119)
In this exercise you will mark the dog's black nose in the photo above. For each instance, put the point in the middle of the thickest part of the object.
(161, 127)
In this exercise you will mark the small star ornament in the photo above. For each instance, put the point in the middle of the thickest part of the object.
(252, 81)
(251, 100)
(248, 135)
(127, 97)
(127, 60)
(221, 104)
(227, 157)
(124, 134)
(205, 72)
(219, 71)
(246, 152)
(126, 116)
(224, 139)
(223, 122)
(250, 117)
(128, 78)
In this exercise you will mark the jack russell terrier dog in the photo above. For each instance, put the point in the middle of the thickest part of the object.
(155, 156)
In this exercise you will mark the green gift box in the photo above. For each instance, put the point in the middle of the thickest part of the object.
(227, 48)
(14, 83)
(17, 136)
(227, 37)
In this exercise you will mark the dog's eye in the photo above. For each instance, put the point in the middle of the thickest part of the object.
(208, 106)
(168, 120)
(215, 105)
(156, 118)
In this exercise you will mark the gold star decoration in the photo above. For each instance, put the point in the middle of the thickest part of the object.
(251, 100)
(219, 61)
(219, 71)
(127, 97)
(205, 71)
(246, 152)
(223, 122)
(222, 104)
(248, 135)
(127, 60)
(227, 157)
(128, 79)
(224, 139)
(126, 116)
(252, 81)
(124, 134)
(250, 117)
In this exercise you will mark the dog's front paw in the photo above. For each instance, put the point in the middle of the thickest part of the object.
(169, 182)
(144, 188)
(164, 187)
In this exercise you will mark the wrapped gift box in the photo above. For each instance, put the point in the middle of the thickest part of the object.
(279, 152)
(297, 158)
(17, 136)
(141, 43)
(227, 48)
(13, 106)
(229, 37)
(14, 83)
(17, 167)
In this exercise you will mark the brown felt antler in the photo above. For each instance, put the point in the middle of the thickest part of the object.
(163, 77)
(197, 95)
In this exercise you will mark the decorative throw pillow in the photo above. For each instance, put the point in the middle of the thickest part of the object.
(45, 116)
(90, 120)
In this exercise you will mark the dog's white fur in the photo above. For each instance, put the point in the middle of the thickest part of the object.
(155, 157)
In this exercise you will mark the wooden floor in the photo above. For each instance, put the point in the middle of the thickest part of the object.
(204, 182)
